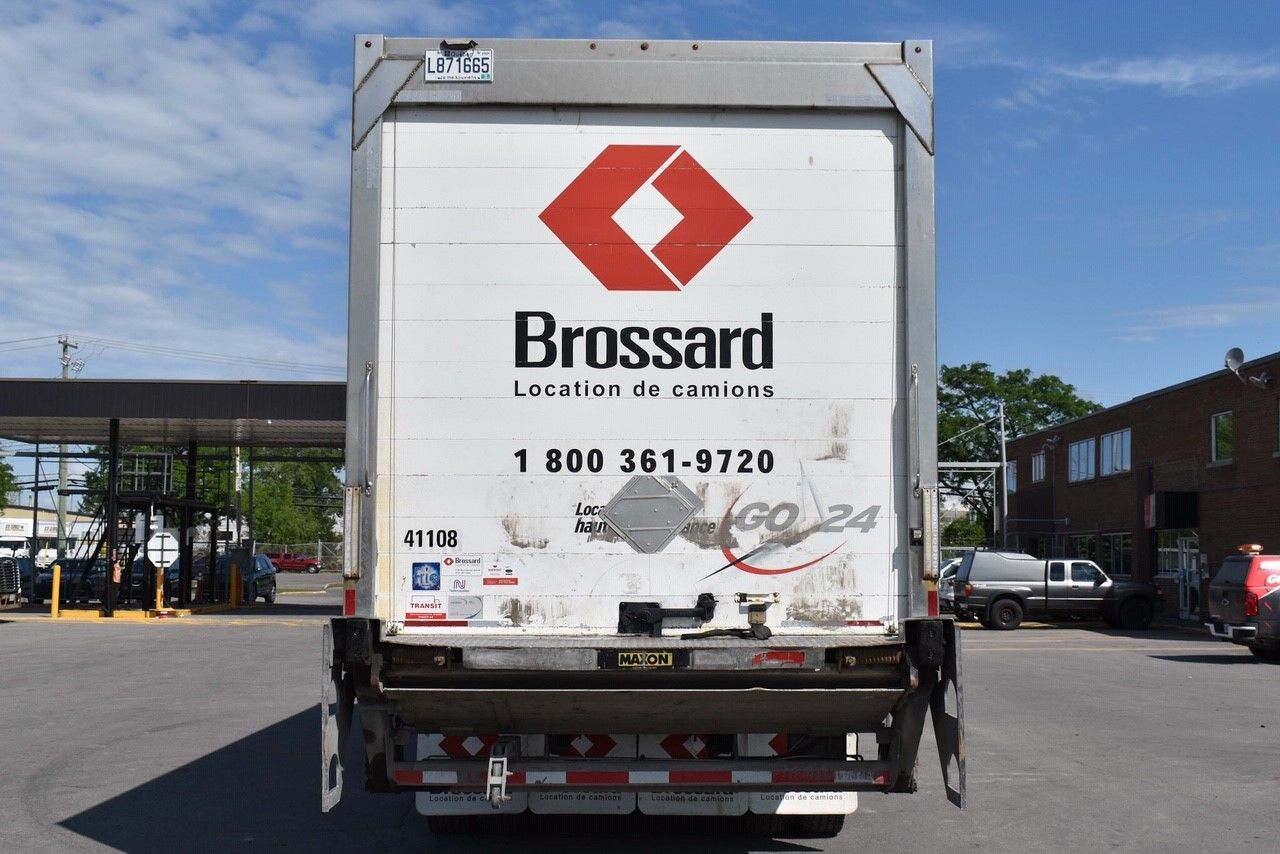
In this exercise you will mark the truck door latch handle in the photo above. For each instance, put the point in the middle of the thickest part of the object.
(645, 618)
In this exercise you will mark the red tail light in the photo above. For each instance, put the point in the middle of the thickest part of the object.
(968, 590)
(1251, 604)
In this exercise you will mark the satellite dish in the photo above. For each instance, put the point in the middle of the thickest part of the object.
(1235, 358)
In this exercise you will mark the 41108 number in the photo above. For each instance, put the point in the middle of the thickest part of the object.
(432, 538)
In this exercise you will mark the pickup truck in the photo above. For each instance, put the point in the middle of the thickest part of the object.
(289, 561)
(1244, 602)
(1000, 588)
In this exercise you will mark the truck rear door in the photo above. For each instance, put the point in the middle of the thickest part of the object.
(642, 356)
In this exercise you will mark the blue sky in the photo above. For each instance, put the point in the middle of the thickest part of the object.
(173, 175)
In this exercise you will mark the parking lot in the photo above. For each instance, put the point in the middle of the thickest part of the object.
(201, 734)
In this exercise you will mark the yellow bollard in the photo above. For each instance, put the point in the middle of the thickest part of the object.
(235, 586)
(57, 589)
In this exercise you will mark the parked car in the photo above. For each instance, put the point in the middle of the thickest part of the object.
(285, 561)
(81, 581)
(1244, 603)
(258, 580)
(947, 585)
(1000, 588)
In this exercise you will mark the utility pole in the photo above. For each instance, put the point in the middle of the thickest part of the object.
(67, 367)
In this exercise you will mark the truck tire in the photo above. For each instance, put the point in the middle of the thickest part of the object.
(1265, 654)
(1136, 614)
(1006, 615)
(762, 824)
(313, 568)
(818, 826)
(450, 825)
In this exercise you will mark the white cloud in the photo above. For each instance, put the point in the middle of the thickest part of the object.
(345, 18)
(1240, 308)
(1170, 228)
(1187, 74)
(157, 166)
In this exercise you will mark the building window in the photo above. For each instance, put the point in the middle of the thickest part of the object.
(1222, 434)
(1083, 545)
(1081, 466)
(1037, 467)
(1011, 475)
(1117, 554)
(1115, 452)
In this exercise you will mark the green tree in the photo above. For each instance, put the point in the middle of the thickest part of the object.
(8, 482)
(969, 398)
(297, 502)
(964, 532)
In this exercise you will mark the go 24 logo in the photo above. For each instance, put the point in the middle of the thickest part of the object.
(779, 533)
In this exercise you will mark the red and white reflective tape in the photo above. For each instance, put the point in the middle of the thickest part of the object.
(722, 776)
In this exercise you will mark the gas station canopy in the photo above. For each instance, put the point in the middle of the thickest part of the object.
(175, 412)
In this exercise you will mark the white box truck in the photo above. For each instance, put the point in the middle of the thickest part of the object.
(641, 473)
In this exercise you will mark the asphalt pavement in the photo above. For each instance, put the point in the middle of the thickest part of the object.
(201, 734)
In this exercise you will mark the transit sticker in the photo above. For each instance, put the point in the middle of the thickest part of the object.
(425, 607)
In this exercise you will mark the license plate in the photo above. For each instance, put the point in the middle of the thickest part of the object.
(459, 66)
(643, 659)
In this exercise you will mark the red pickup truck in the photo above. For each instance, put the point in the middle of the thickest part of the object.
(286, 561)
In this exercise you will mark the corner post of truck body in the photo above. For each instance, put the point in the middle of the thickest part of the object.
(909, 86)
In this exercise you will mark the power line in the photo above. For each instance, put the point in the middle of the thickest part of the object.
(23, 340)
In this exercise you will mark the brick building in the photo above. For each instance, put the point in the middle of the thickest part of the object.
(1168, 483)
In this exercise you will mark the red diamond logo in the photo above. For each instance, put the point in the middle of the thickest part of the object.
(582, 217)
(684, 746)
(592, 746)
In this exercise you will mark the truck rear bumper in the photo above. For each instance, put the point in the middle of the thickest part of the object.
(886, 686)
(1226, 631)
(642, 710)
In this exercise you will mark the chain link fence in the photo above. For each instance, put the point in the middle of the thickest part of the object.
(329, 555)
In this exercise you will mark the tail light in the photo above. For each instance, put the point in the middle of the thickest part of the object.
(1251, 604)
(968, 590)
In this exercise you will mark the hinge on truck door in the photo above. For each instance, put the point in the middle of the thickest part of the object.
(496, 778)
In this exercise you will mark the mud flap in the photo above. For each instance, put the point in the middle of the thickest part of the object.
(336, 698)
(946, 706)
